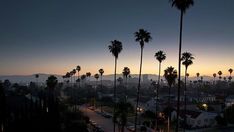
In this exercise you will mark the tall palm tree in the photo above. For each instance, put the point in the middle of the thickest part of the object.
(187, 60)
(214, 75)
(78, 68)
(220, 73)
(224, 79)
(2, 108)
(88, 74)
(170, 75)
(101, 71)
(37, 76)
(230, 71)
(74, 74)
(96, 76)
(160, 56)
(51, 83)
(83, 77)
(142, 36)
(197, 74)
(182, 6)
(126, 72)
(68, 75)
(71, 74)
(115, 48)
(230, 77)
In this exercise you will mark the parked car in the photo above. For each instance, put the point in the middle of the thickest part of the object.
(107, 115)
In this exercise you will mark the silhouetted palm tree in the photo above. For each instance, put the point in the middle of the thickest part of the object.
(96, 76)
(220, 73)
(230, 77)
(187, 60)
(214, 75)
(101, 71)
(37, 76)
(2, 108)
(78, 68)
(74, 74)
(224, 79)
(88, 74)
(83, 77)
(160, 56)
(142, 36)
(115, 48)
(170, 75)
(182, 6)
(230, 71)
(71, 74)
(126, 72)
(123, 108)
(51, 83)
(197, 74)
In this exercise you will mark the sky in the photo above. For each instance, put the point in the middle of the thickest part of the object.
(54, 36)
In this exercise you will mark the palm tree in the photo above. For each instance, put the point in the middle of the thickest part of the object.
(230, 71)
(115, 48)
(160, 56)
(220, 73)
(51, 83)
(187, 60)
(78, 68)
(68, 75)
(37, 76)
(74, 74)
(83, 77)
(197, 74)
(170, 75)
(126, 72)
(230, 77)
(101, 71)
(224, 79)
(96, 76)
(182, 6)
(123, 108)
(142, 36)
(71, 74)
(2, 108)
(214, 75)
(88, 74)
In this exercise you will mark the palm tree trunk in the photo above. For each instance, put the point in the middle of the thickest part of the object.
(138, 89)
(79, 79)
(126, 85)
(156, 106)
(101, 91)
(115, 90)
(179, 71)
(185, 99)
(169, 109)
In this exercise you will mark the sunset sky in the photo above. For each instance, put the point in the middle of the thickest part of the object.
(54, 36)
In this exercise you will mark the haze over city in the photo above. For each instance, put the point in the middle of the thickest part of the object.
(54, 36)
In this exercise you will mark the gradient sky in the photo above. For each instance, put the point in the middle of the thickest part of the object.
(53, 36)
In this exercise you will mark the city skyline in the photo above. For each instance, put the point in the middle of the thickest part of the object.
(54, 37)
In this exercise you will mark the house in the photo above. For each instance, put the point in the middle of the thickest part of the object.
(199, 119)
(229, 101)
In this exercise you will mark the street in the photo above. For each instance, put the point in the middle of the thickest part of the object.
(105, 123)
